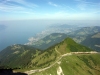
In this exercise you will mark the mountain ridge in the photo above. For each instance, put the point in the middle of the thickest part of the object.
(32, 56)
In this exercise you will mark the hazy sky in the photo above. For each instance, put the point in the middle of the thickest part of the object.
(50, 9)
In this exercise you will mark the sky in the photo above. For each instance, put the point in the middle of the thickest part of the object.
(49, 9)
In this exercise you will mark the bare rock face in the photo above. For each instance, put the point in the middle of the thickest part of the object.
(60, 71)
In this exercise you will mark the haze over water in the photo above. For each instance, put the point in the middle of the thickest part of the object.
(22, 19)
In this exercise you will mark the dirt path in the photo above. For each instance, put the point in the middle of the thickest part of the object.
(57, 51)
(67, 54)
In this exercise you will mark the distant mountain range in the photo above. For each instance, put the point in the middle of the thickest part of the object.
(81, 34)
(49, 40)
(63, 28)
(78, 35)
(92, 41)
(76, 32)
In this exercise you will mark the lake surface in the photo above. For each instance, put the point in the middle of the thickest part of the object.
(18, 33)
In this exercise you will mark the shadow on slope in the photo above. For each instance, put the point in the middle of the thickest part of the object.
(10, 72)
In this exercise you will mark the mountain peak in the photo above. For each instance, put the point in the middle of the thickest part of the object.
(72, 46)
(69, 41)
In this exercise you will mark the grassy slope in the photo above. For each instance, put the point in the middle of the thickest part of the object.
(51, 54)
(76, 65)
(17, 56)
(30, 58)
(68, 45)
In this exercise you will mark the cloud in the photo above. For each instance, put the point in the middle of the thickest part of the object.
(21, 9)
(80, 0)
(16, 6)
(71, 16)
(53, 4)
(96, 12)
(24, 3)
(65, 7)
(82, 6)
(86, 5)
